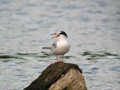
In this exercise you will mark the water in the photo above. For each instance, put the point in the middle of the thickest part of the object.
(93, 29)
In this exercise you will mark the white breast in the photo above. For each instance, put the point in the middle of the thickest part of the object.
(62, 47)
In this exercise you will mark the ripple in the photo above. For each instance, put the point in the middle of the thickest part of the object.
(70, 7)
(9, 56)
(94, 70)
(68, 57)
(97, 55)
(94, 11)
(26, 54)
(115, 68)
(5, 1)
(101, 3)
(118, 12)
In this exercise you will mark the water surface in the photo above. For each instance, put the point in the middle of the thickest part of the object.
(93, 27)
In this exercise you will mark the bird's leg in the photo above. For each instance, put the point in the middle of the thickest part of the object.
(62, 58)
(57, 58)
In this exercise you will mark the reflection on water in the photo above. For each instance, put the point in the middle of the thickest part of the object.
(93, 29)
(22, 56)
(91, 55)
(97, 55)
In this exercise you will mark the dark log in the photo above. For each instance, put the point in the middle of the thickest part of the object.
(59, 76)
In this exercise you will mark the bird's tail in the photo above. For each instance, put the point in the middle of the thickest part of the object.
(46, 47)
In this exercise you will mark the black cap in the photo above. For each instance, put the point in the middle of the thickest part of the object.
(63, 33)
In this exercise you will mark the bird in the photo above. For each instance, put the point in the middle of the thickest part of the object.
(61, 46)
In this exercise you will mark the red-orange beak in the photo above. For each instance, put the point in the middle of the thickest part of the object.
(56, 35)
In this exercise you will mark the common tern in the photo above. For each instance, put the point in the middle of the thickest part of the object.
(60, 46)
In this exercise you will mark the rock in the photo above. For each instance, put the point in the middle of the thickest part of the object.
(59, 76)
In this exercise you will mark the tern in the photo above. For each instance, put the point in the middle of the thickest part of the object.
(60, 46)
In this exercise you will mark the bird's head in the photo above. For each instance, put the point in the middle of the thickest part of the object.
(56, 35)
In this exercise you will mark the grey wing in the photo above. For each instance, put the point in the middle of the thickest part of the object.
(54, 45)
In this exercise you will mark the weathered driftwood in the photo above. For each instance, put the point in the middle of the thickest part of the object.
(59, 76)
